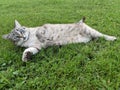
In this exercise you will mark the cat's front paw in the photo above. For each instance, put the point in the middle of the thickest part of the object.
(26, 56)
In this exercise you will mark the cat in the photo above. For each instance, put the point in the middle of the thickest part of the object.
(52, 34)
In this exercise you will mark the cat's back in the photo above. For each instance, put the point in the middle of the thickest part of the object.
(49, 30)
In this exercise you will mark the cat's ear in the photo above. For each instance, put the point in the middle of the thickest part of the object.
(6, 36)
(17, 24)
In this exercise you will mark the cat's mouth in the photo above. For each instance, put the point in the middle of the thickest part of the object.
(25, 36)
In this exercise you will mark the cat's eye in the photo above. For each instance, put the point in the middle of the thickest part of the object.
(22, 31)
(17, 36)
(14, 38)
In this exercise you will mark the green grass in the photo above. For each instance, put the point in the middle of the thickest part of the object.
(91, 66)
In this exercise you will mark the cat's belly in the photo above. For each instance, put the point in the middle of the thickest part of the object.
(72, 39)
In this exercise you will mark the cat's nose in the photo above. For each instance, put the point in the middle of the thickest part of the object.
(20, 36)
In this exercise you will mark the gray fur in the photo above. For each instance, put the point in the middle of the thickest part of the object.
(52, 34)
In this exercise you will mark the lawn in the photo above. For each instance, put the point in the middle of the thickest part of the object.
(91, 66)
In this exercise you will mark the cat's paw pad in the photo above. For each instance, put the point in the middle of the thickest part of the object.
(26, 56)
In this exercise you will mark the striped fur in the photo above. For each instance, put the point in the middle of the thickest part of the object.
(52, 34)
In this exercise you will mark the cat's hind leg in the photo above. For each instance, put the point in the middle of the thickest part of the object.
(109, 38)
(95, 34)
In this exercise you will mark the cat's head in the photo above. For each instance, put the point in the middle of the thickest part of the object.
(18, 35)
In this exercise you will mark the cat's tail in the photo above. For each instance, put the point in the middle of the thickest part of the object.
(82, 20)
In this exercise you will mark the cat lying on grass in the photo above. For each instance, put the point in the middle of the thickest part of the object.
(52, 34)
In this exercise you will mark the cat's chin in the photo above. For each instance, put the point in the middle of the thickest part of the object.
(26, 36)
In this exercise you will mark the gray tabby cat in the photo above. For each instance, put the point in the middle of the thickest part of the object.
(52, 34)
